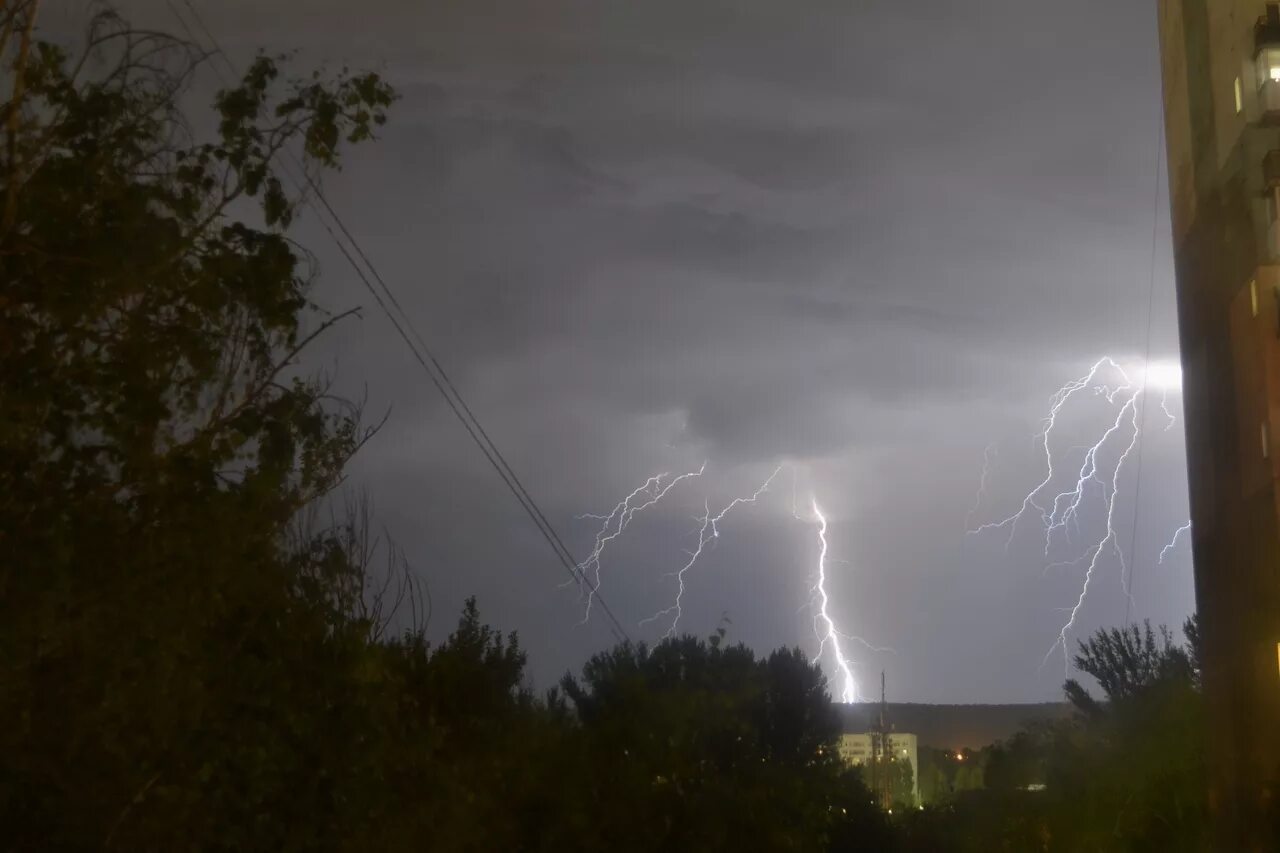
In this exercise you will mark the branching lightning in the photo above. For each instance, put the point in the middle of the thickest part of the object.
(831, 637)
(1164, 552)
(708, 533)
(613, 524)
(831, 640)
(1109, 541)
(1056, 404)
(1098, 475)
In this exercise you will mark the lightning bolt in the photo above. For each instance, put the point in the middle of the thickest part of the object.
(613, 524)
(987, 455)
(654, 489)
(1164, 552)
(708, 533)
(1108, 541)
(1060, 512)
(831, 638)
(1056, 404)
(1065, 508)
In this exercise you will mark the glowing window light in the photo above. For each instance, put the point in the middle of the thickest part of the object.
(1268, 66)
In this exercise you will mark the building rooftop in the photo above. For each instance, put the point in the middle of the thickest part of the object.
(952, 727)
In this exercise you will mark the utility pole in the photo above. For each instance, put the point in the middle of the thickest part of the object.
(882, 753)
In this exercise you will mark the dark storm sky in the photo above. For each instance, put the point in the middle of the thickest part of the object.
(859, 239)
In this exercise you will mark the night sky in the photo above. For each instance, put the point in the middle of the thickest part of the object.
(861, 241)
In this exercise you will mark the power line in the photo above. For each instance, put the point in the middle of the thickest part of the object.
(1142, 420)
(417, 345)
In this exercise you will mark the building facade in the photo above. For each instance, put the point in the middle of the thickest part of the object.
(857, 749)
(1220, 64)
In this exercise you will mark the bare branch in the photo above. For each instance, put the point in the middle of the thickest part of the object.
(14, 119)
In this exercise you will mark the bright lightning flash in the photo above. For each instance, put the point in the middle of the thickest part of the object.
(613, 524)
(1164, 552)
(1060, 513)
(1056, 404)
(1109, 540)
(654, 490)
(708, 533)
(831, 638)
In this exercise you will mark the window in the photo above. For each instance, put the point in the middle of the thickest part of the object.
(1266, 445)
(1239, 97)
(1253, 296)
(1268, 66)
(1278, 653)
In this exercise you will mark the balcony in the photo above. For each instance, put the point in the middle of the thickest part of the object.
(1266, 32)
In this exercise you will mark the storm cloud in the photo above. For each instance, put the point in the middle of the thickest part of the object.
(858, 240)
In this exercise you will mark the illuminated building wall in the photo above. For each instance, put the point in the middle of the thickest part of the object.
(1221, 69)
(855, 749)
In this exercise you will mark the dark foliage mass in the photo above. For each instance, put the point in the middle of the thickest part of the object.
(195, 650)
(1125, 773)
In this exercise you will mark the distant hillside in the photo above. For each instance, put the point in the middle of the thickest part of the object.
(953, 726)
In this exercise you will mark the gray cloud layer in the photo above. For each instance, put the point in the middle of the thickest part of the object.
(860, 239)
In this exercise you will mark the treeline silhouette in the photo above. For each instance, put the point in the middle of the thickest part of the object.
(1125, 772)
(199, 648)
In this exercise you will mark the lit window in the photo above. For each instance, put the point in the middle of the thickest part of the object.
(1268, 66)
(1239, 97)
(1266, 444)
(1253, 296)
(1278, 653)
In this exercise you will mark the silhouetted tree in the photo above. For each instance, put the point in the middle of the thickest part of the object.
(1128, 661)
(166, 651)
(699, 745)
(1125, 773)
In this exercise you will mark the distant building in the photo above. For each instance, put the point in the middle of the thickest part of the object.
(1220, 62)
(857, 749)
(953, 727)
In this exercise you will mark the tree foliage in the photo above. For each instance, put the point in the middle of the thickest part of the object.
(702, 745)
(167, 647)
(1128, 662)
(1126, 772)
